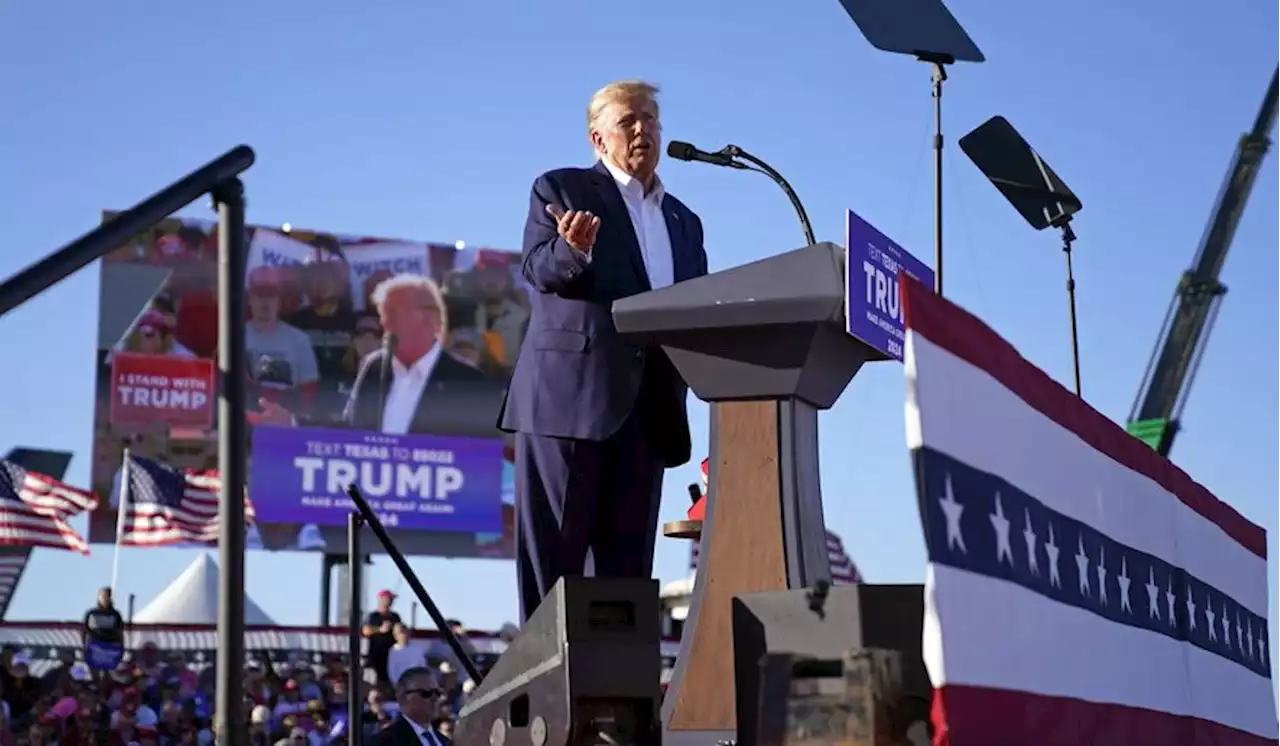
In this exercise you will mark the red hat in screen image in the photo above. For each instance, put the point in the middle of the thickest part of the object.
(386, 593)
(154, 321)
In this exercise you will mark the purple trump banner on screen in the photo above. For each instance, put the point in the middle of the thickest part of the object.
(414, 482)
(872, 305)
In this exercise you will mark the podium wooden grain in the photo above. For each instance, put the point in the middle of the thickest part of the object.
(741, 552)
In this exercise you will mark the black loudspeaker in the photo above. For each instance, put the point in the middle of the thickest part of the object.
(587, 666)
(889, 617)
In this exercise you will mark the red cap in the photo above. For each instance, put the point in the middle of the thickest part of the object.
(154, 321)
(386, 593)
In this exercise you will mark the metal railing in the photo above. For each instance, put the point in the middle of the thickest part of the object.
(220, 179)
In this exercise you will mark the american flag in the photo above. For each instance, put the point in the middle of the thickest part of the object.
(843, 571)
(1080, 588)
(162, 505)
(34, 509)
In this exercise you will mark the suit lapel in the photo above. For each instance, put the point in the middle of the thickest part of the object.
(620, 217)
(678, 235)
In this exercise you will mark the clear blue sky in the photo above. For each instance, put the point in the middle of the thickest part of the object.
(428, 120)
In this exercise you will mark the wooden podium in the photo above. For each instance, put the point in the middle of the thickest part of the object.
(765, 344)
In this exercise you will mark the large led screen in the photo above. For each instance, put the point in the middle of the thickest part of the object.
(374, 361)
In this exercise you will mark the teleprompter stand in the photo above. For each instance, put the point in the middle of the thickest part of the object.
(1034, 190)
(926, 30)
(765, 344)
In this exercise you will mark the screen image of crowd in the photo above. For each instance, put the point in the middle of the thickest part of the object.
(311, 319)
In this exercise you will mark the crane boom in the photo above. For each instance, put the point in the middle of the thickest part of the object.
(1187, 324)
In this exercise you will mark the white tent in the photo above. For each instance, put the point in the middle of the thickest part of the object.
(192, 598)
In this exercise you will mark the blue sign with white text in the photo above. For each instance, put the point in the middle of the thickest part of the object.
(873, 308)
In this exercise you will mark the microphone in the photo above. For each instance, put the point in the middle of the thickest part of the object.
(388, 352)
(683, 151)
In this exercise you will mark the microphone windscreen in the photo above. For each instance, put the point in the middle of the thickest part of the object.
(681, 151)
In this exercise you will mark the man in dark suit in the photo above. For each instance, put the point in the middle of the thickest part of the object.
(597, 418)
(419, 699)
(422, 389)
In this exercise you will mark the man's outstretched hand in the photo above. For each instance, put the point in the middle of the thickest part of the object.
(577, 227)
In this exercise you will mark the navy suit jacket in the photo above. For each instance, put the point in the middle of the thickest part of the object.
(576, 377)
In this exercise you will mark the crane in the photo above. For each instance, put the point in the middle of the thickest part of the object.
(1180, 347)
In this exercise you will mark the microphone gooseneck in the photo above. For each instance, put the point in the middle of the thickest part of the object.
(727, 156)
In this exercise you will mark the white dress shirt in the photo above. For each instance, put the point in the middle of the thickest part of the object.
(407, 384)
(650, 225)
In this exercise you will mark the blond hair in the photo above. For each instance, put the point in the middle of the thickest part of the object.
(623, 90)
(417, 284)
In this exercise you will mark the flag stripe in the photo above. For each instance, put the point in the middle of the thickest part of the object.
(1059, 650)
(969, 339)
(1047, 721)
(1040, 457)
(1072, 563)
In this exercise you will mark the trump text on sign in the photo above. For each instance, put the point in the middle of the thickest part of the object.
(411, 481)
(873, 307)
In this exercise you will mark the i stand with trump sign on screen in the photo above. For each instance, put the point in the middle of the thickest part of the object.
(1080, 589)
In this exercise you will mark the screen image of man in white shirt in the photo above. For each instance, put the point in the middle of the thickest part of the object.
(396, 397)
(408, 391)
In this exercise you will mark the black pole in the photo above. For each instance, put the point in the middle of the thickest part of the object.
(737, 152)
(1068, 236)
(411, 578)
(232, 435)
(355, 577)
(109, 236)
(326, 587)
(939, 75)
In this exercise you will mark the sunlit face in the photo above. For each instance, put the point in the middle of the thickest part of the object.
(264, 306)
(414, 317)
(628, 133)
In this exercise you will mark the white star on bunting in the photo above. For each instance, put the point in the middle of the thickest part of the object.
(952, 511)
(1171, 597)
(1226, 625)
(1082, 568)
(1102, 574)
(1191, 610)
(1029, 536)
(1001, 526)
(1051, 551)
(1262, 645)
(1211, 618)
(1249, 637)
(1123, 580)
(1153, 595)
(1239, 633)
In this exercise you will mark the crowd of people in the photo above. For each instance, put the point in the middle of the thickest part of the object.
(161, 698)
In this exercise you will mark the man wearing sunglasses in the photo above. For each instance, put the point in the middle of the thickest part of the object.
(419, 700)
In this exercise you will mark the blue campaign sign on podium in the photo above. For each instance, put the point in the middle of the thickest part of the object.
(872, 305)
